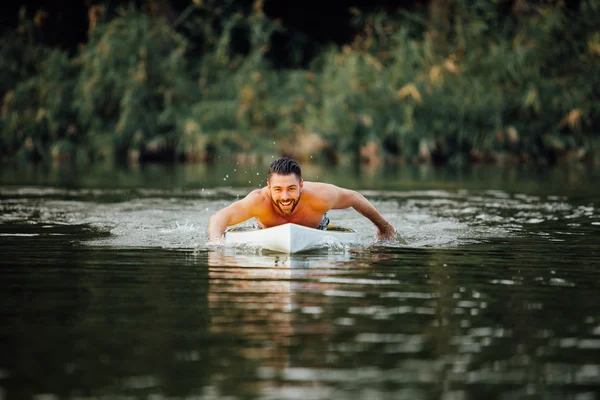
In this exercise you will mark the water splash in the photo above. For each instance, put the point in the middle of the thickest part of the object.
(178, 218)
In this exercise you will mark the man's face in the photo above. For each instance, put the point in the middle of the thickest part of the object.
(285, 192)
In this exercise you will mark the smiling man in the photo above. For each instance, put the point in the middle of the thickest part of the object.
(288, 198)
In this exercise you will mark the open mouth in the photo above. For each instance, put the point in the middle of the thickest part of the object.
(286, 203)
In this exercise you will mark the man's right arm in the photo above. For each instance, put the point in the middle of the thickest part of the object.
(233, 214)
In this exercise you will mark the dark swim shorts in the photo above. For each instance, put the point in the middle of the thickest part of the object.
(324, 223)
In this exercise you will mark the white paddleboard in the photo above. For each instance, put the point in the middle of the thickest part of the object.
(289, 238)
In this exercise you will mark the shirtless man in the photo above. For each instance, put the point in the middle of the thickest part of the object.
(280, 202)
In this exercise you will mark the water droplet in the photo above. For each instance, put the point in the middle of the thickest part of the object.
(226, 176)
(257, 173)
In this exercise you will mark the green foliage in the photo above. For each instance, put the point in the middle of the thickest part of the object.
(493, 85)
(480, 85)
(38, 112)
(19, 60)
(20, 56)
(134, 84)
(243, 103)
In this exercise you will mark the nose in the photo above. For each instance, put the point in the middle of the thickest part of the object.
(285, 195)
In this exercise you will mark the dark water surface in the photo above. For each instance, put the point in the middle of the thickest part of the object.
(109, 290)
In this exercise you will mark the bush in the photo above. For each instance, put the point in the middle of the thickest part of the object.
(492, 85)
(133, 87)
(472, 83)
(38, 111)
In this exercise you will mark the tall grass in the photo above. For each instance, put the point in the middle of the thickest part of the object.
(492, 87)
(132, 88)
(481, 94)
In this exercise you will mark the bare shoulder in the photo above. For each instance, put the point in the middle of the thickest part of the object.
(320, 193)
(256, 193)
(320, 189)
(330, 196)
(257, 197)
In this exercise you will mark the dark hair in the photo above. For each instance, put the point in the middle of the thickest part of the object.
(285, 166)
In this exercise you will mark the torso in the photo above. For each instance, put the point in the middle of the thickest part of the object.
(309, 211)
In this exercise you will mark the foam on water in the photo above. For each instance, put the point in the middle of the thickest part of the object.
(179, 218)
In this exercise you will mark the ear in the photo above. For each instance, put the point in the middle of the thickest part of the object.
(301, 183)
(269, 184)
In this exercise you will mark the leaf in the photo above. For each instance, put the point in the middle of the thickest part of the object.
(410, 90)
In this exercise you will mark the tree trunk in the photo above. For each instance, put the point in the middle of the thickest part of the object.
(439, 20)
(162, 9)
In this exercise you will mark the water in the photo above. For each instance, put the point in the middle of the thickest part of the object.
(108, 289)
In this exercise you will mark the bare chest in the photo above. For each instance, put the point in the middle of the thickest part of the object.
(305, 217)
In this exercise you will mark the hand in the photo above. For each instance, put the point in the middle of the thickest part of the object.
(216, 242)
(389, 234)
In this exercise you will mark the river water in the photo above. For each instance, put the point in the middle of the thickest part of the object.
(108, 288)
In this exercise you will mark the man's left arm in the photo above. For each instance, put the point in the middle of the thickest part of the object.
(349, 198)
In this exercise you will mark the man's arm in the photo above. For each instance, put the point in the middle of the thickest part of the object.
(233, 214)
(349, 198)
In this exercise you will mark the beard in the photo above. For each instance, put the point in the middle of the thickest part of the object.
(286, 211)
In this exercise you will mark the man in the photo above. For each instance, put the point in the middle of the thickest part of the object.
(287, 198)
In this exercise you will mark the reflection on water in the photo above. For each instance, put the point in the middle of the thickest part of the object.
(433, 325)
(111, 292)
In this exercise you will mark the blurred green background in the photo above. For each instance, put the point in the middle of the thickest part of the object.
(443, 82)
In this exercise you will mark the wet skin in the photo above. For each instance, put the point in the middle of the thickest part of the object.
(285, 191)
(279, 203)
